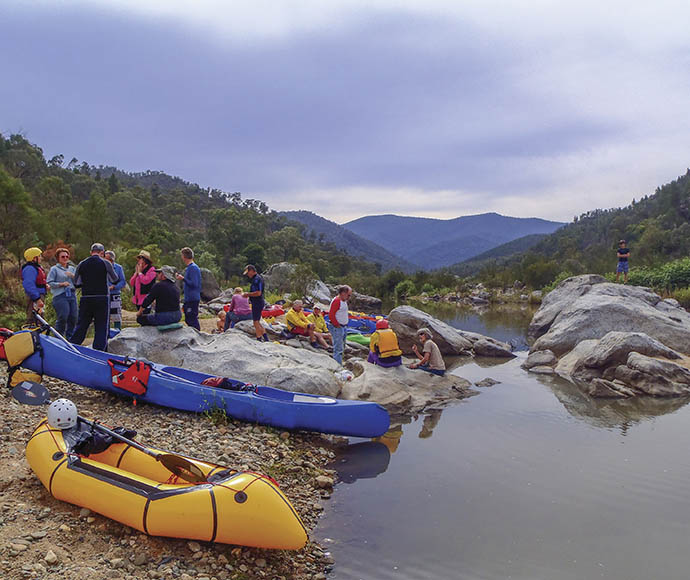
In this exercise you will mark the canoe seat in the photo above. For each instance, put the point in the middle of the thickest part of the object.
(166, 327)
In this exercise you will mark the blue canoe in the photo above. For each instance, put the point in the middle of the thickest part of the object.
(182, 389)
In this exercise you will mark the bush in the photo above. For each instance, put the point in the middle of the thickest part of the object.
(404, 289)
(683, 297)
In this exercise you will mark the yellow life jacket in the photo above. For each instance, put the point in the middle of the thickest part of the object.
(387, 343)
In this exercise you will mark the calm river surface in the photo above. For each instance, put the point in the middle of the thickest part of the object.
(527, 480)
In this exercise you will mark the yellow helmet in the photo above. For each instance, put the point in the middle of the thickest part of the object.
(32, 253)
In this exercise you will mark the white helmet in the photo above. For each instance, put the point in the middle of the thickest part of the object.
(62, 414)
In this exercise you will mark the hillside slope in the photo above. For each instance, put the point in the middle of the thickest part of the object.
(348, 242)
(434, 243)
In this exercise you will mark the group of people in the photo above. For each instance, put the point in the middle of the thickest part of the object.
(101, 280)
(157, 297)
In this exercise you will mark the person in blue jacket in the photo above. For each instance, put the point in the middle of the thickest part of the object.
(61, 284)
(34, 282)
(116, 291)
(192, 288)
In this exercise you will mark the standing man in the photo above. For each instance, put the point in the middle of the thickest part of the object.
(115, 291)
(256, 298)
(192, 288)
(34, 282)
(94, 276)
(338, 317)
(623, 254)
(166, 295)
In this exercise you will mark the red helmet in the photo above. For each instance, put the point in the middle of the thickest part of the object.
(381, 324)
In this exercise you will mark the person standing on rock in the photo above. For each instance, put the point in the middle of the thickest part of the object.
(338, 318)
(430, 359)
(116, 291)
(623, 254)
(256, 298)
(94, 275)
(192, 288)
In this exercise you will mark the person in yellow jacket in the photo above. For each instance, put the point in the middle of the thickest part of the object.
(320, 327)
(383, 346)
(298, 323)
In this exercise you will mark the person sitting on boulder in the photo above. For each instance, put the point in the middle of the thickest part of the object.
(383, 346)
(320, 328)
(238, 309)
(298, 323)
(431, 361)
(166, 295)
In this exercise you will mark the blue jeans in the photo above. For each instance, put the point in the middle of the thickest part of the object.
(160, 318)
(231, 318)
(66, 310)
(338, 335)
(426, 368)
(191, 314)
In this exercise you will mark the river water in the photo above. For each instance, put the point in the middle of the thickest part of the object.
(527, 480)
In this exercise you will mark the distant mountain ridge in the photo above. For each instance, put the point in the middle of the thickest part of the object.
(430, 243)
(349, 242)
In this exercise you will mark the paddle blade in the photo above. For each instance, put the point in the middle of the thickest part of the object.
(181, 467)
(31, 393)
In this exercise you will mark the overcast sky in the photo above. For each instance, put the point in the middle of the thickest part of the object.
(440, 109)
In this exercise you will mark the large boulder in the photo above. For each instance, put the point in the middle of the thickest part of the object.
(407, 320)
(277, 278)
(585, 307)
(404, 391)
(365, 303)
(318, 292)
(614, 340)
(234, 355)
(209, 285)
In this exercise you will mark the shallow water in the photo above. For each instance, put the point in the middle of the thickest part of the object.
(528, 480)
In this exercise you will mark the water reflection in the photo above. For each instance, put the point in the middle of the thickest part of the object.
(620, 414)
(506, 322)
(362, 461)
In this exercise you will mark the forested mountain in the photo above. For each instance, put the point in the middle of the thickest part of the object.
(433, 243)
(46, 202)
(496, 256)
(348, 241)
(656, 227)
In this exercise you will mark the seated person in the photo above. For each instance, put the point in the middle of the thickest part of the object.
(431, 361)
(383, 346)
(320, 327)
(298, 323)
(238, 309)
(166, 295)
(220, 323)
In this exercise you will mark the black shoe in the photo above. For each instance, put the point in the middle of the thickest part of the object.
(315, 345)
(265, 338)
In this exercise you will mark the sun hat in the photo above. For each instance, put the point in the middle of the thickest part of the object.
(425, 331)
(144, 254)
(168, 272)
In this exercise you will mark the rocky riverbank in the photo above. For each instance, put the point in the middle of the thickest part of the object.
(41, 537)
(612, 340)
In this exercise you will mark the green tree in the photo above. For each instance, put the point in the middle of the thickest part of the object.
(15, 215)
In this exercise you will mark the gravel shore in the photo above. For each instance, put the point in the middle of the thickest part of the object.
(41, 537)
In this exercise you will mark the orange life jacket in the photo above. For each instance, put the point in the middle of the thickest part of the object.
(388, 343)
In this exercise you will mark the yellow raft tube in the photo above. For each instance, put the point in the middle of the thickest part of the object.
(128, 486)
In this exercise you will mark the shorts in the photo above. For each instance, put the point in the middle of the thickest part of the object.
(299, 330)
(622, 267)
(257, 307)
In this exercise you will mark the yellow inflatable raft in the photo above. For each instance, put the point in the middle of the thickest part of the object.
(128, 486)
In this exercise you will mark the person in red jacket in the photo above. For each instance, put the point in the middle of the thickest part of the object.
(338, 317)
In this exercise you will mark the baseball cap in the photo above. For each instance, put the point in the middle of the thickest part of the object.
(247, 268)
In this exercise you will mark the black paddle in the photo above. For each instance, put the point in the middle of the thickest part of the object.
(31, 393)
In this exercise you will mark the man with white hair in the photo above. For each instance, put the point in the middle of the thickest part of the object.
(298, 323)
(94, 276)
(430, 359)
(338, 319)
